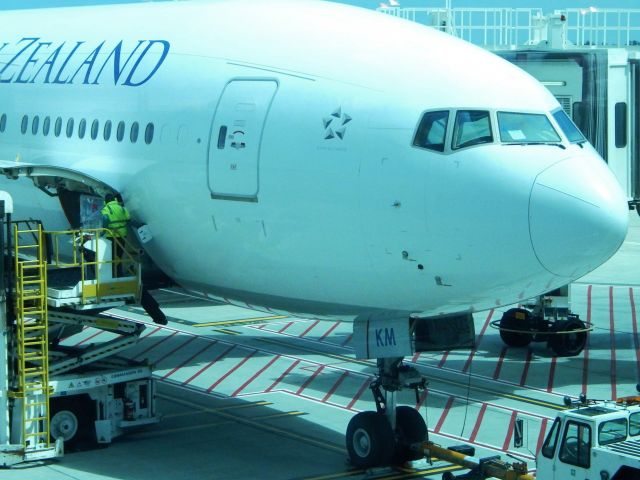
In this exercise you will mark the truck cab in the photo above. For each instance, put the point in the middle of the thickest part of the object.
(596, 441)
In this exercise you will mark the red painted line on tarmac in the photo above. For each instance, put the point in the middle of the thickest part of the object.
(542, 434)
(157, 361)
(585, 361)
(174, 370)
(478, 340)
(310, 379)
(342, 378)
(496, 373)
(221, 379)
(347, 340)
(311, 327)
(328, 332)
(359, 393)
(260, 327)
(527, 364)
(255, 375)
(512, 424)
(285, 327)
(284, 374)
(151, 347)
(199, 372)
(415, 357)
(99, 332)
(443, 416)
(476, 427)
(634, 321)
(443, 359)
(552, 373)
(613, 347)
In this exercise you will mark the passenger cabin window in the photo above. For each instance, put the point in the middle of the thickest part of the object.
(634, 424)
(549, 447)
(432, 131)
(46, 126)
(472, 127)
(82, 128)
(58, 127)
(133, 135)
(3, 122)
(568, 127)
(120, 131)
(35, 124)
(148, 133)
(576, 445)
(106, 134)
(526, 128)
(24, 124)
(612, 431)
(95, 126)
(69, 127)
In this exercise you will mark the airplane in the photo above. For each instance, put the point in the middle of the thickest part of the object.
(314, 158)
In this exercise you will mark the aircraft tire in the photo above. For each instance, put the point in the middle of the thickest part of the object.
(410, 428)
(569, 344)
(509, 321)
(370, 440)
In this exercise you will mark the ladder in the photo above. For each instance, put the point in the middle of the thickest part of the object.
(32, 337)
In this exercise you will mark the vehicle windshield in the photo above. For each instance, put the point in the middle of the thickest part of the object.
(612, 431)
(526, 128)
(568, 127)
(472, 127)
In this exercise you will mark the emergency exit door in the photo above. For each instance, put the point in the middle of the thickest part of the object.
(236, 135)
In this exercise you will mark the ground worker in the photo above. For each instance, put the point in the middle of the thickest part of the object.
(115, 218)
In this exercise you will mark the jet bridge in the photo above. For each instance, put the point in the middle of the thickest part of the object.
(52, 284)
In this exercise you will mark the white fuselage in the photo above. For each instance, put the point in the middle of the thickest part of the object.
(282, 171)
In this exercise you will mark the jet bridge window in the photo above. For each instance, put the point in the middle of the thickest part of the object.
(432, 131)
(3, 122)
(576, 445)
(612, 431)
(472, 127)
(526, 128)
(568, 127)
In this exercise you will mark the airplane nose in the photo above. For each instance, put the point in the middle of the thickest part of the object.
(578, 216)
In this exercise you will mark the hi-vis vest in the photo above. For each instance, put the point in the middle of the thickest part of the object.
(116, 218)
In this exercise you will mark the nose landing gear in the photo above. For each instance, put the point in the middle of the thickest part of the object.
(392, 434)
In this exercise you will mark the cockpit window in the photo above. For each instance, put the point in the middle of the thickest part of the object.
(432, 131)
(568, 127)
(526, 128)
(472, 127)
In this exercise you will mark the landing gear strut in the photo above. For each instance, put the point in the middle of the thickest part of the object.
(392, 434)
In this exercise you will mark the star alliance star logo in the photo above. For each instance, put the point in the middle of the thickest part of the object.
(334, 125)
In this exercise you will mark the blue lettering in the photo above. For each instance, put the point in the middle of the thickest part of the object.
(89, 61)
(66, 61)
(31, 41)
(50, 62)
(115, 53)
(379, 338)
(389, 336)
(30, 61)
(163, 55)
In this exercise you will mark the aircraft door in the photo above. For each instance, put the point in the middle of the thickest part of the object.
(236, 134)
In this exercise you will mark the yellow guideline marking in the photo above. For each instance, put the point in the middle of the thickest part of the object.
(228, 332)
(422, 473)
(294, 413)
(261, 403)
(266, 427)
(242, 320)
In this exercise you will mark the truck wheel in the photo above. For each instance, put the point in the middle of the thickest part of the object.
(410, 429)
(568, 344)
(370, 440)
(515, 319)
(72, 420)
